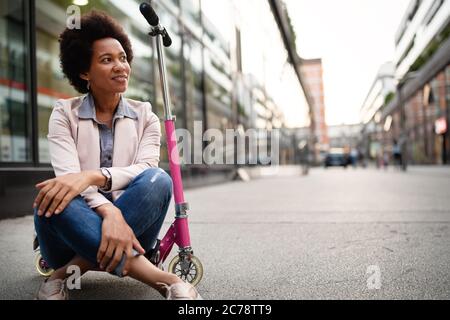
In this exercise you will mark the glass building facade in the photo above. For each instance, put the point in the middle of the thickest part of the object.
(207, 80)
(15, 141)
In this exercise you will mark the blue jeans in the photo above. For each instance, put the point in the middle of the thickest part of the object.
(77, 230)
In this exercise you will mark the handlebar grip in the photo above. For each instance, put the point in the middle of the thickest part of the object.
(149, 14)
(166, 39)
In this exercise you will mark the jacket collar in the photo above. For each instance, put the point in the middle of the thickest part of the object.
(87, 109)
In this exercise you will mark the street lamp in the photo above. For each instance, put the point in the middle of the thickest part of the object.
(402, 106)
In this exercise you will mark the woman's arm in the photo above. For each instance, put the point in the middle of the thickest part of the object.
(117, 239)
(69, 181)
(56, 193)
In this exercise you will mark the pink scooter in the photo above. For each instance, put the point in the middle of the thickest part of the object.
(185, 265)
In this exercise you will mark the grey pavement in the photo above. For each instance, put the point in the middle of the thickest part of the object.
(288, 236)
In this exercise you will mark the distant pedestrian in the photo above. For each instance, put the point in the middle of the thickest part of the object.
(361, 159)
(385, 160)
(397, 153)
(354, 157)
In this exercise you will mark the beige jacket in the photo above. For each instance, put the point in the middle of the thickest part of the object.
(75, 145)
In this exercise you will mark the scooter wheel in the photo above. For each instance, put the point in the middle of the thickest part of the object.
(41, 265)
(190, 270)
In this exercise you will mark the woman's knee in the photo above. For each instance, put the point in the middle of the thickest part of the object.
(158, 179)
(71, 211)
(165, 183)
(40, 222)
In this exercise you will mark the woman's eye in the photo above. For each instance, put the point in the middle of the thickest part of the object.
(106, 60)
(123, 59)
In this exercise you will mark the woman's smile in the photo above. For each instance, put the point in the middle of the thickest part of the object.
(122, 79)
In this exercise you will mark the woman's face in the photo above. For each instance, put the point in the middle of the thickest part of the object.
(110, 71)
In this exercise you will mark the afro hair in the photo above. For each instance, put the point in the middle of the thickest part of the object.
(76, 45)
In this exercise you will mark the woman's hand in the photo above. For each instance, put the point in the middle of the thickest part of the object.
(55, 194)
(117, 238)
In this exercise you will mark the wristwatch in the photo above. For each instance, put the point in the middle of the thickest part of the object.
(107, 175)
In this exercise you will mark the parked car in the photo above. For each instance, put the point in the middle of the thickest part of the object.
(336, 157)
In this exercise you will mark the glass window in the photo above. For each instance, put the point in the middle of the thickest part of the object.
(193, 70)
(218, 91)
(218, 95)
(218, 77)
(217, 21)
(15, 143)
(190, 10)
(193, 79)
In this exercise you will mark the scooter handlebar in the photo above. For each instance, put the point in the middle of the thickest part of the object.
(166, 39)
(152, 18)
(149, 14)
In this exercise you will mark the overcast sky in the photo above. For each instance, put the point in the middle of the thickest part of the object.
(353, 38)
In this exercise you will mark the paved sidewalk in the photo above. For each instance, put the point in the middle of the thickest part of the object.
(292, 237)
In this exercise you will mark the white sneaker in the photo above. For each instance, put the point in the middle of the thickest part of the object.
(181, 291)
(53, 290)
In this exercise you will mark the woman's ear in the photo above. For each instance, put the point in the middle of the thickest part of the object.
(84, 76)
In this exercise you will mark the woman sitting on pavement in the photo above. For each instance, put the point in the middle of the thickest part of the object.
(107, 204)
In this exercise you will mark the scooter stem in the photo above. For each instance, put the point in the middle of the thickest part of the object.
(162, 75)
(169, 124)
